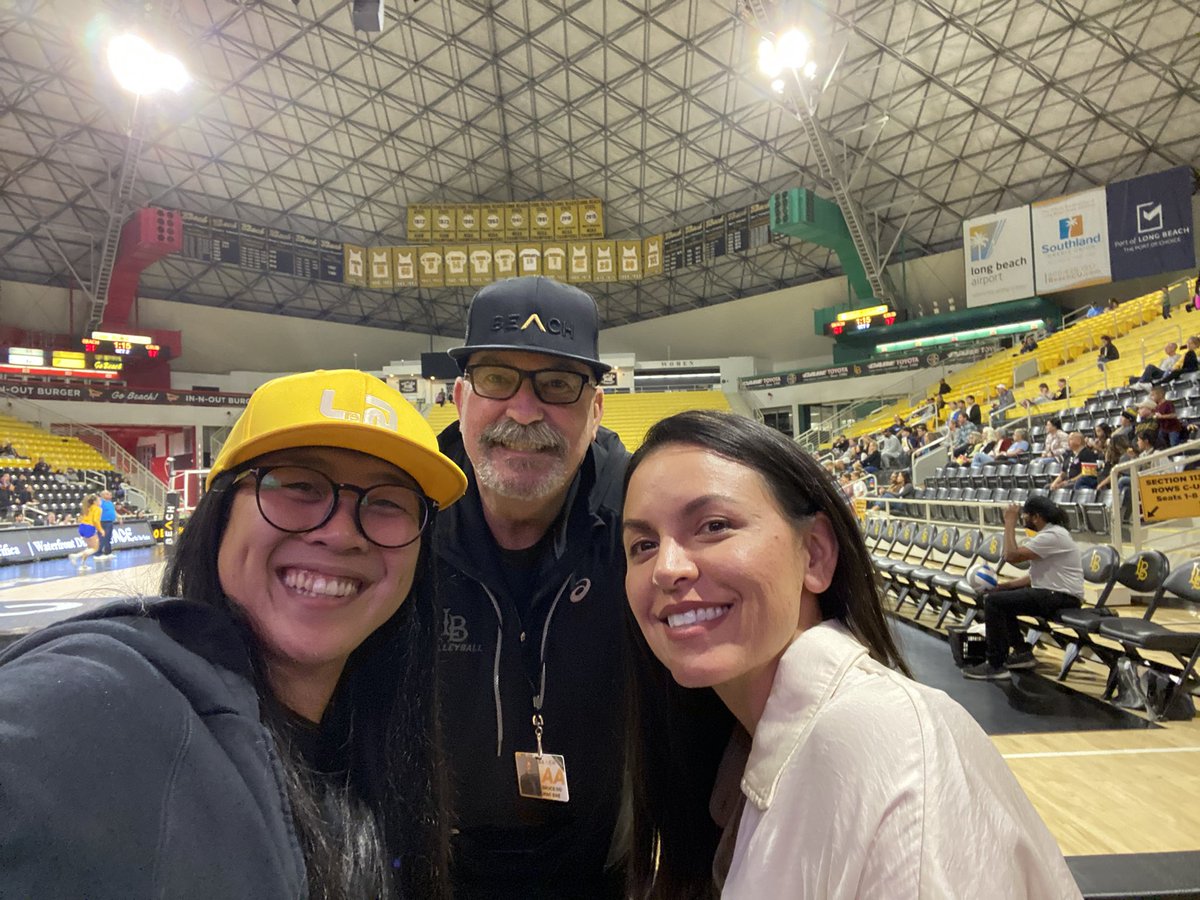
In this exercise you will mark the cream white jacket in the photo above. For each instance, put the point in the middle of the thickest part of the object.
(864, 784)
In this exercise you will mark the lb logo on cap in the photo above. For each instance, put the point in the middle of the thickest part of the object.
(378, 412)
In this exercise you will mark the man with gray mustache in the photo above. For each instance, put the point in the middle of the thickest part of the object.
(530, 576)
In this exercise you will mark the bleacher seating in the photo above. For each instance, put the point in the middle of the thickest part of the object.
(59, 451)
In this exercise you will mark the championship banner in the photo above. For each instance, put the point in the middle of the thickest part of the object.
(529, 259)
(456, 266)
(420, 224)
(580, 262)
(604, 266)
(332, 266)
(480, 262)
(444, 223)
(516, 218)
(356, 265)
(1150, 224)
(554, 260)
(998, 256)
(652, 255)
(566, 219)
(429, 267)
(492, 220)
(1070, 239)
(591, 217)
(541, 220)
(466, 223)
(630, 255)
(380, 274)
(404, 266)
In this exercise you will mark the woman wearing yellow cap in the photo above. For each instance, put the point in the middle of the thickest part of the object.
(267, 728)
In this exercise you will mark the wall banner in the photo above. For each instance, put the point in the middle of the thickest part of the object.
(998, 256)
(1150, 224)
(1070, 239)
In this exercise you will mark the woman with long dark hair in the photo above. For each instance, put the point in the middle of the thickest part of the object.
(759, 621)
(268, 727)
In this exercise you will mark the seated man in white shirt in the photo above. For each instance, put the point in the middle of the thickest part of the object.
(1054, 582)
(1165, 366)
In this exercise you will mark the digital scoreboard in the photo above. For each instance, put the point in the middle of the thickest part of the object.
(861, 319)
(110, 344)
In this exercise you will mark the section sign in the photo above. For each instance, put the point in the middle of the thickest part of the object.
(998, 254)
(1070, 239)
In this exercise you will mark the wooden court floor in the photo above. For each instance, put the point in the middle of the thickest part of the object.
(1106, 792)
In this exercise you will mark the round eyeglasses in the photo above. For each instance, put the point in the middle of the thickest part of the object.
(553, 386)
(297, 500)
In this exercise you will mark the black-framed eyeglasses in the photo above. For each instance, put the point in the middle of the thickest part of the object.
(554, 386)
(297, 499)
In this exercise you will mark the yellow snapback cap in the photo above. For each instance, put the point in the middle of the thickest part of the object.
(341, 408)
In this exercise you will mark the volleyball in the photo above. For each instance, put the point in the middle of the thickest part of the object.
(982, 577)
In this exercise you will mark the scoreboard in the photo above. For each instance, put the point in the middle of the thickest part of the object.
(861, 319)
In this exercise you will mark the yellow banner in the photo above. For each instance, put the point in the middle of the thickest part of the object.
(579, 265)
(1171, 496)
(492, 222)
(443, 223)
(420, 224)
(566, 219)
(516, 221)
(604, 264)
(480, 262)
(630, 254)
(466, 223)
(541, 220)
(529, 259)
(652, 255)
(404, 266)
(504, 260)
(354, 270)
(380, 274)
(591, 217)
(456, 266)
(431, 271)
(554, 259)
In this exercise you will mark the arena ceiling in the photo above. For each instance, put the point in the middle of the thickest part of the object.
(936, 110)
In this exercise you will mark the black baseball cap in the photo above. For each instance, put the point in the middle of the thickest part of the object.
(536, 314)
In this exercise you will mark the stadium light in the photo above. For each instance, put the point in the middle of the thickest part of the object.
(789, 50)
(141, 69)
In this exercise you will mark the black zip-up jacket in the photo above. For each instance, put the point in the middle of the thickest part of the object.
(133, 763)
(492, 663)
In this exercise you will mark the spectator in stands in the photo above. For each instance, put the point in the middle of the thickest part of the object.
(1063, 391)
(173, 745)
(983, 451)
(108, 523)
(1189, 363)
(440, 400)
(1118, 451)
(805, 663)
(1029, 344)
(89, 530)
(8, 493)
(1019, 446)
(897, 424)
(891, 450)
(41, 467)
(1165, 365)
(6, 450)
(871, 459)
(1079, 465)
(1146, 420)
(1043, 396)
(1108, 352)
(1094, 309)
(1113, 304)
(943, 387)
(1126, 427)
(1054, 582)
(900, 488)
(1057, 443)
(974, 413)
(24, 492)
(1170, 429)
(840, 445)
(910, 439)
(1004, 400)
(1100, 436)
(118, 489)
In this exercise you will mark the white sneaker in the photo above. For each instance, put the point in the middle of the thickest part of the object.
(74, 557)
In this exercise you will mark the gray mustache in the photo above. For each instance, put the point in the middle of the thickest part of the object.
(515, 436)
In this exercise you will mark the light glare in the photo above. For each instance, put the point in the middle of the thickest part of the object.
(140, 69)
(768, 60)
(792, 49)
(777, 85)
